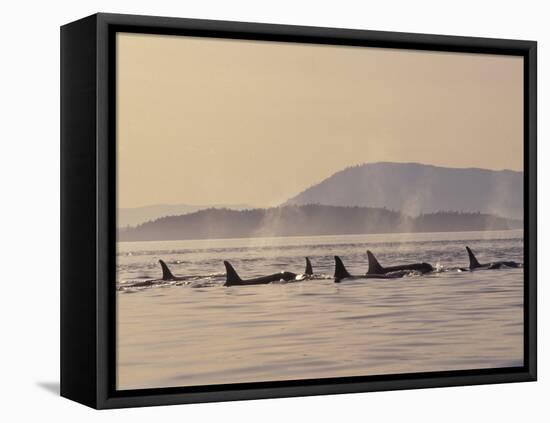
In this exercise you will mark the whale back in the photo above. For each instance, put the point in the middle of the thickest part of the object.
(166, 273)
(374, 267)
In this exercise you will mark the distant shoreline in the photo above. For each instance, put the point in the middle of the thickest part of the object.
(307, 221)
(328, 235)
(411, 188)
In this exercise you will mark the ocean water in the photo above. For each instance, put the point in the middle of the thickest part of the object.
(199, 332)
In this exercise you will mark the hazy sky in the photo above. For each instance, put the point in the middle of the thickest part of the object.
(206, 121)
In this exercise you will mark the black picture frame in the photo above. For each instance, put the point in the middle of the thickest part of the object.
(88, 214)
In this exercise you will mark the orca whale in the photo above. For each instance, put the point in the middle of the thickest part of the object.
(476, 265)
(341, 273)
(232, 277)
(308, 272)
(167, 276)
(375, 268)
(309, 268)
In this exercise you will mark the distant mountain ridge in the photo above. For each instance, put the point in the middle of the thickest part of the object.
(307, 220)
(138, 215)
(414, 188)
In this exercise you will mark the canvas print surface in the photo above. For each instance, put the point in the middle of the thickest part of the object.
(292, 211)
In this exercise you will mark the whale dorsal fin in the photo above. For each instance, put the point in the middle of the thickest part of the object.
(340, 271)
(166, 274)
(374, 267)
(232, 277)
(309, 267)
(473, 260)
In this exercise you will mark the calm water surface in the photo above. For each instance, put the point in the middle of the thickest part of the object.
(199, 332)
